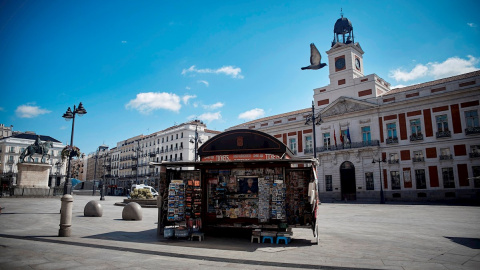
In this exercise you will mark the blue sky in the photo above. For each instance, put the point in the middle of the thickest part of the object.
(142, 66)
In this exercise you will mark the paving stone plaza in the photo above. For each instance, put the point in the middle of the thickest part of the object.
(352, 236)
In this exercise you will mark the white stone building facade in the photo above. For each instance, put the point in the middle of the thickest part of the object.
(12, 146)
(428, 134)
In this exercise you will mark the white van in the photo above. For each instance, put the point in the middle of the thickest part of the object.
(152, 190)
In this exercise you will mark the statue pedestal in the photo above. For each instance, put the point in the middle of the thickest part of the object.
(32, 179)
(33, 175)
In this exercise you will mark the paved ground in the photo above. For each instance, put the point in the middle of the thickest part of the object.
(352, 236)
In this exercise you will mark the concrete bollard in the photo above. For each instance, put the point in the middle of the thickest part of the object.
(93, 209)
(66, 216)
(132, 211)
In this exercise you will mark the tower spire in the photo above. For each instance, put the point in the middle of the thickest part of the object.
(341, 12)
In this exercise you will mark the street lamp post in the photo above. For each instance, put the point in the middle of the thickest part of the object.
(314, 122)
(379, 161)
(67, 199)
(71, 115)
(196, 140)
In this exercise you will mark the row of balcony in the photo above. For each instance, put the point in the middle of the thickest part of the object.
(439, 134)
(343, 146)
(441, 157)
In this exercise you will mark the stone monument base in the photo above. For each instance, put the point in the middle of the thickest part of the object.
(33, 191)
(33, 175)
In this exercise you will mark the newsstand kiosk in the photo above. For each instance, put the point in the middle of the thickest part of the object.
(246, 182)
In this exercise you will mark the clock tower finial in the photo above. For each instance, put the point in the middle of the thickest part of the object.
(341, 12)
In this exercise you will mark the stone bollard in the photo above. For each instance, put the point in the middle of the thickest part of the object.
(66, 216)
(132, 211)
(93, 209)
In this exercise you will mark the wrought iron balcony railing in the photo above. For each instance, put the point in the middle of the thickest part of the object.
(346, 146)
(472, 130)
(444, 134)
(418, 159)
(474, 154)
(393, 161)
(416, 137)
(446, 157)
(392, 140)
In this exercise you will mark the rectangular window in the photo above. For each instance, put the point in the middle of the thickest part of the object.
(476, 176)
(326, 140)
(369, 181)
(445, 154)
(10, 158)
(392, 130)
(471, 119)
(447, 176)
(418, 156)
(366, 136)
(308, 145)
(328, 183)
(415, 127)
(395, 177)
(393, 158)
(420, 179)
(442, 123)
(475, 151)
(293, 145)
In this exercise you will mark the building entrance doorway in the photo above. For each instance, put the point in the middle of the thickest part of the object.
(347, 181)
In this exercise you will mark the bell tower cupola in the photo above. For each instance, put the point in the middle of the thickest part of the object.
(343, 31)
(345, 57)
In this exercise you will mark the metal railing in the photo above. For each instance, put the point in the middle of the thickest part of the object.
(472, 130)
(416, 137)
(444, 134)
(392, 140)
(418, 159)
(445, 157)
(346, 146)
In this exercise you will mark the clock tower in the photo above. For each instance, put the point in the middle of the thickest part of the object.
(346, 72)
(345, 57)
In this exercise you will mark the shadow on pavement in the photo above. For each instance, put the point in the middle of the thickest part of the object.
(258, 263)
(464, 241)
(210, 242)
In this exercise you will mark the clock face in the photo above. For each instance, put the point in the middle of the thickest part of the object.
(340, 63)
(357, 63)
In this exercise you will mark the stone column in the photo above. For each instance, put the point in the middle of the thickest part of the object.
(66, 216)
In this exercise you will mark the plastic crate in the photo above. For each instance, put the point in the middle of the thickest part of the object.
(168, 232)
(181, 233)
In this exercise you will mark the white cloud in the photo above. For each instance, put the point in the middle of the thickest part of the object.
(234, 72)
(187, 87)
(204, 82)
(29, 111)
(124, 41)
(398, 86)
(450, 67)
(417, 72)
(186, 98)
(2, 109)
(209, 117)
(214, 106)
(147, 102)
(453, 66)
(252, 114)
(473, 25)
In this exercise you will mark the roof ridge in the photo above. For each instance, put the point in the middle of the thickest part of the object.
(435, 82)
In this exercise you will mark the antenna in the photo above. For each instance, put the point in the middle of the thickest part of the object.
(341, 12)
